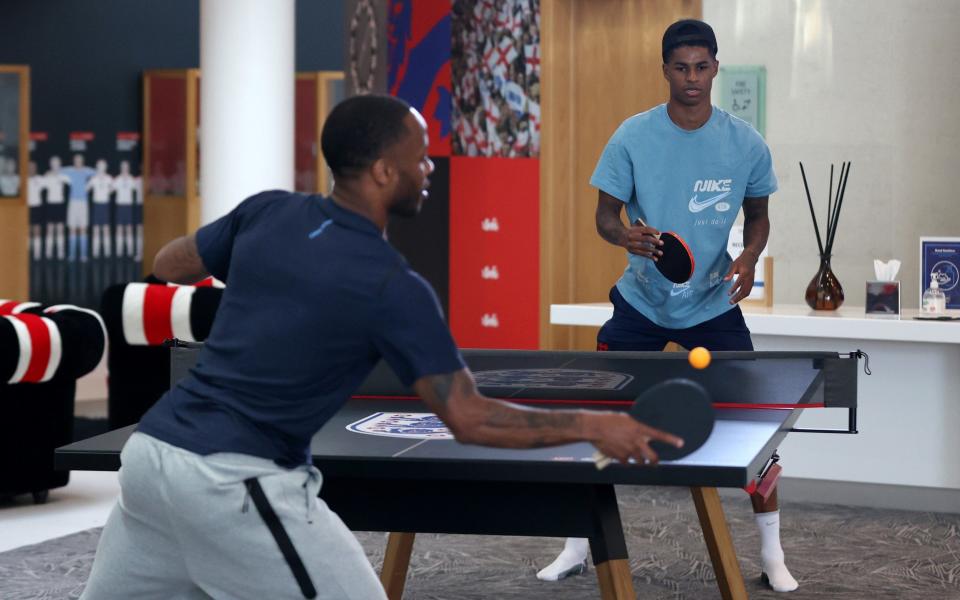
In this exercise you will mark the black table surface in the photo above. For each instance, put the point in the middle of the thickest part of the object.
(741, 442)
(740, 445)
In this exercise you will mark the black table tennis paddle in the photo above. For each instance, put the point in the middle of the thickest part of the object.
(676, 263)
(678, 406)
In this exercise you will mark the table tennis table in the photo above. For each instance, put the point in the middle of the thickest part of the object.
(388, 467)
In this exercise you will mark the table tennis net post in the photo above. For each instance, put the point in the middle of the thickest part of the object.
(183, 355)
(839, 389)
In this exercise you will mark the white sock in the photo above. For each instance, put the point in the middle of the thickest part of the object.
(771, 554)
(49, 242)
(96, 242)
(572, 561)
(61, 254)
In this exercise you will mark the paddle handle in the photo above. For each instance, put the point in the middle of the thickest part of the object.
(601, 461)
(642, 223)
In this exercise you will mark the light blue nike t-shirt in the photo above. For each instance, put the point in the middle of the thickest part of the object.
(691, 183)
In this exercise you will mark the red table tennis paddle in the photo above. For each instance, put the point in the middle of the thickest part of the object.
(676, 263)
(678, 406)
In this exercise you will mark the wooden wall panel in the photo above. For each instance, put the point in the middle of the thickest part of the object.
(166, 217)
(14, 271)
(14, 258)
(601, 64)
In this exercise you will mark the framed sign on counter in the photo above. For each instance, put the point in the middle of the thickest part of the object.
(940, 258)
(762, 292)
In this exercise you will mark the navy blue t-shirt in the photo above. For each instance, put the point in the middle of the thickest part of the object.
(314, 297)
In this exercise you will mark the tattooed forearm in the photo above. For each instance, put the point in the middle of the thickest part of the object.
(543, 426)
(475, 419)
(502, 415)
(441, 385)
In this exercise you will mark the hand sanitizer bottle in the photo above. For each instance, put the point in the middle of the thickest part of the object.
(934, 300)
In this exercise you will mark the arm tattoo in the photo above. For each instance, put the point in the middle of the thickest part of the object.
(476, 419)
(441, 385)
(540, 423)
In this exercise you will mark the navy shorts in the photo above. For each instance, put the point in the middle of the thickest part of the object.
(55, 212)
(123, 214)
(100, 214)
(630, 330)
(36, 215)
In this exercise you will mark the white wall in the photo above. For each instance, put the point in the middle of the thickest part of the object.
(875, 82)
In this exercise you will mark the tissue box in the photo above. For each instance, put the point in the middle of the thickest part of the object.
(883, 298)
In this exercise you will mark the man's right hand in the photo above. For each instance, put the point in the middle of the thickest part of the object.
(644, 240)
(621, 437)
(637, 239)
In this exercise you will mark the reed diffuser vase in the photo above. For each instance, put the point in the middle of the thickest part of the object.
(824, 291)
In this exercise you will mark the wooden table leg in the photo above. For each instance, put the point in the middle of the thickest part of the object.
(396, 559)
(719, 544)
(616, 582)
(608, 547)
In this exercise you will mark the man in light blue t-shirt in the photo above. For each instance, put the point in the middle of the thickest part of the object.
(687, 167)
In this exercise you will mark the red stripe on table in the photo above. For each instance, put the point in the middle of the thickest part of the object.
(720, 405)
(157, 300)
(7, 308)
(784, 406)
(40, 348)
(522, 400)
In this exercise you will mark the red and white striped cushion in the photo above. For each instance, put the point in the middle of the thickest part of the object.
(40, 348)
(154, 313)
(208, 282)
(50, 310)
(12, 307)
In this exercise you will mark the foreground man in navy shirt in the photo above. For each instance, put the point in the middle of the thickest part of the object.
(315, 296)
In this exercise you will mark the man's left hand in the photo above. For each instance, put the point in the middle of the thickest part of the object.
(743, 268)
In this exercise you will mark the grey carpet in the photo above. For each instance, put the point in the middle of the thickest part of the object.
(835, 552)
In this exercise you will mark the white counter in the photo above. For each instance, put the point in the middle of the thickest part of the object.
(909, 409)
(799, 320)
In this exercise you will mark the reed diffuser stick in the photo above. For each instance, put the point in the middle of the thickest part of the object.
(841, 191)
(813, 214)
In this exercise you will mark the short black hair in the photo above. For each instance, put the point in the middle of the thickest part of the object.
(688, 32)
(359, 129)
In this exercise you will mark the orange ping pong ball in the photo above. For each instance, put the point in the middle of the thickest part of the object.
(699, 358)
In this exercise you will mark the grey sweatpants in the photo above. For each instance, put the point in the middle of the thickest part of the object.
(191, 526)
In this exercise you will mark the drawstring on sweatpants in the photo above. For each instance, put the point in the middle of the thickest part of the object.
(311, 476)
